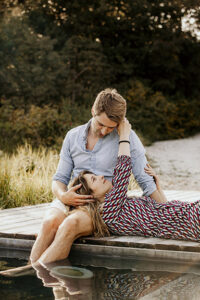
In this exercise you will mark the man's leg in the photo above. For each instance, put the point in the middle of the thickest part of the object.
(77, 224)
(53, 218)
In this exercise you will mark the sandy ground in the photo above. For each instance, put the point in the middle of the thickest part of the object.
(177, 162)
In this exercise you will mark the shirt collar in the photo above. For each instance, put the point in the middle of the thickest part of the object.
(85, 133)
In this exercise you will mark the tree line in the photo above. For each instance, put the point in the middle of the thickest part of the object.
(56, 55)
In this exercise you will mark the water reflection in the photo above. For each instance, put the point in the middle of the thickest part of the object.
(118, 284)
(184, 287)
(68, 282)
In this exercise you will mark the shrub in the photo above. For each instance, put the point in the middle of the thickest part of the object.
(39, 126)
(155, 117)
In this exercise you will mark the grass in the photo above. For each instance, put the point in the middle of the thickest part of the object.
(26, 176)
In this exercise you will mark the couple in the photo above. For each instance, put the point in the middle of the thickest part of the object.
(96, 203)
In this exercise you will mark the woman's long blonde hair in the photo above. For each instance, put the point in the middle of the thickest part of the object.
(99, 227)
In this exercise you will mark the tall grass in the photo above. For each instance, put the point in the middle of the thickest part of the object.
(25, 177)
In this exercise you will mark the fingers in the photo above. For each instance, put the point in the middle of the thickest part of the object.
(148, 169)
(84, 197)
(83, 202)
(150, 173)
(76, 187)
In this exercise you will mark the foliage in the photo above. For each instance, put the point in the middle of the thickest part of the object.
(31, 71)
(55, 56)
(154, 116)
(39, 126)
(37, 73)
(87, 70)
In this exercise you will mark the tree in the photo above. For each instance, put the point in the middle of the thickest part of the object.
(31, 71)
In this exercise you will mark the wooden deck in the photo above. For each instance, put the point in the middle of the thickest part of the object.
(19, 227)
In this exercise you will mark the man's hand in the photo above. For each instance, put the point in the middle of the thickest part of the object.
(152, 172)
(157, 195)
(71, 198)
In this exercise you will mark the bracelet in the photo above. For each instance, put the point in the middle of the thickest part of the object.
(124, 141)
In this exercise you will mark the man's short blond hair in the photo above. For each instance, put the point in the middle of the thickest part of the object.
(112, 103)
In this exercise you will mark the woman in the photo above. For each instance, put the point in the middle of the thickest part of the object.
(136, 216)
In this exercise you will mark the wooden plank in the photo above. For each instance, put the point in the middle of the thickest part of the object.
(8, 236)
(22, 210)
(23, 230)
(22, 224)
(188, 196)
(143, 242)
(38, 215)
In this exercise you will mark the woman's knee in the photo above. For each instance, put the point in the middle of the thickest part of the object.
(75, 225)
(51, 223)
(70, 225)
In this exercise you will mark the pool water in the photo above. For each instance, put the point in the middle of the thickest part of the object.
(25, 287)
(112, 279)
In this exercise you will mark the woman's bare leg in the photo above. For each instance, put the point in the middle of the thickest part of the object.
(77, 224)
(52, 220)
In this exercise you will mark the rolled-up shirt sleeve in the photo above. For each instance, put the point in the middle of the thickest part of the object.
(139, 161)
(65, 164)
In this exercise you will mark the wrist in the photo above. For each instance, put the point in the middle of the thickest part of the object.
(124, 137)
(63, 197)
(124, 141)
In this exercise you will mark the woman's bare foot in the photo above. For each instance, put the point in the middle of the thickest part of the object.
(20, 271)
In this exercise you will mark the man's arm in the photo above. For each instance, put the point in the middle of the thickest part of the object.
(62, 177)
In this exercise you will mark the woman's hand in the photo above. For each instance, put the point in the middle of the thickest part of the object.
(151, 172)
(124, 129)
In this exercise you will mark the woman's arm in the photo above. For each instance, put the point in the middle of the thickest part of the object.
(160, 192)
(124, 130)
(114, 200)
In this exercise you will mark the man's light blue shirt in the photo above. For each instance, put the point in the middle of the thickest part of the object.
(74, 157)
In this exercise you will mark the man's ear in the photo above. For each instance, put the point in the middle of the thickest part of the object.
(92, 111)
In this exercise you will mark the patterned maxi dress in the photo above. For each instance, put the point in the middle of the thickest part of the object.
(143, 216)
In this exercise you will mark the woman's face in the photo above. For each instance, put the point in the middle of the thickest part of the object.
(98, 184)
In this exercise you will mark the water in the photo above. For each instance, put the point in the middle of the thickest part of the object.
(112, 279)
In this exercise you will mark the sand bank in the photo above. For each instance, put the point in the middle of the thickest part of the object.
(177, 162)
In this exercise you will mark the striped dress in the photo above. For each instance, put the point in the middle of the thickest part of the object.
(143, 216)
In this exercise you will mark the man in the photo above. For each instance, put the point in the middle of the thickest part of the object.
(93, 146)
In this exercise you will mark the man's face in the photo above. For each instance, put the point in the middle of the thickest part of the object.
(102, 125)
